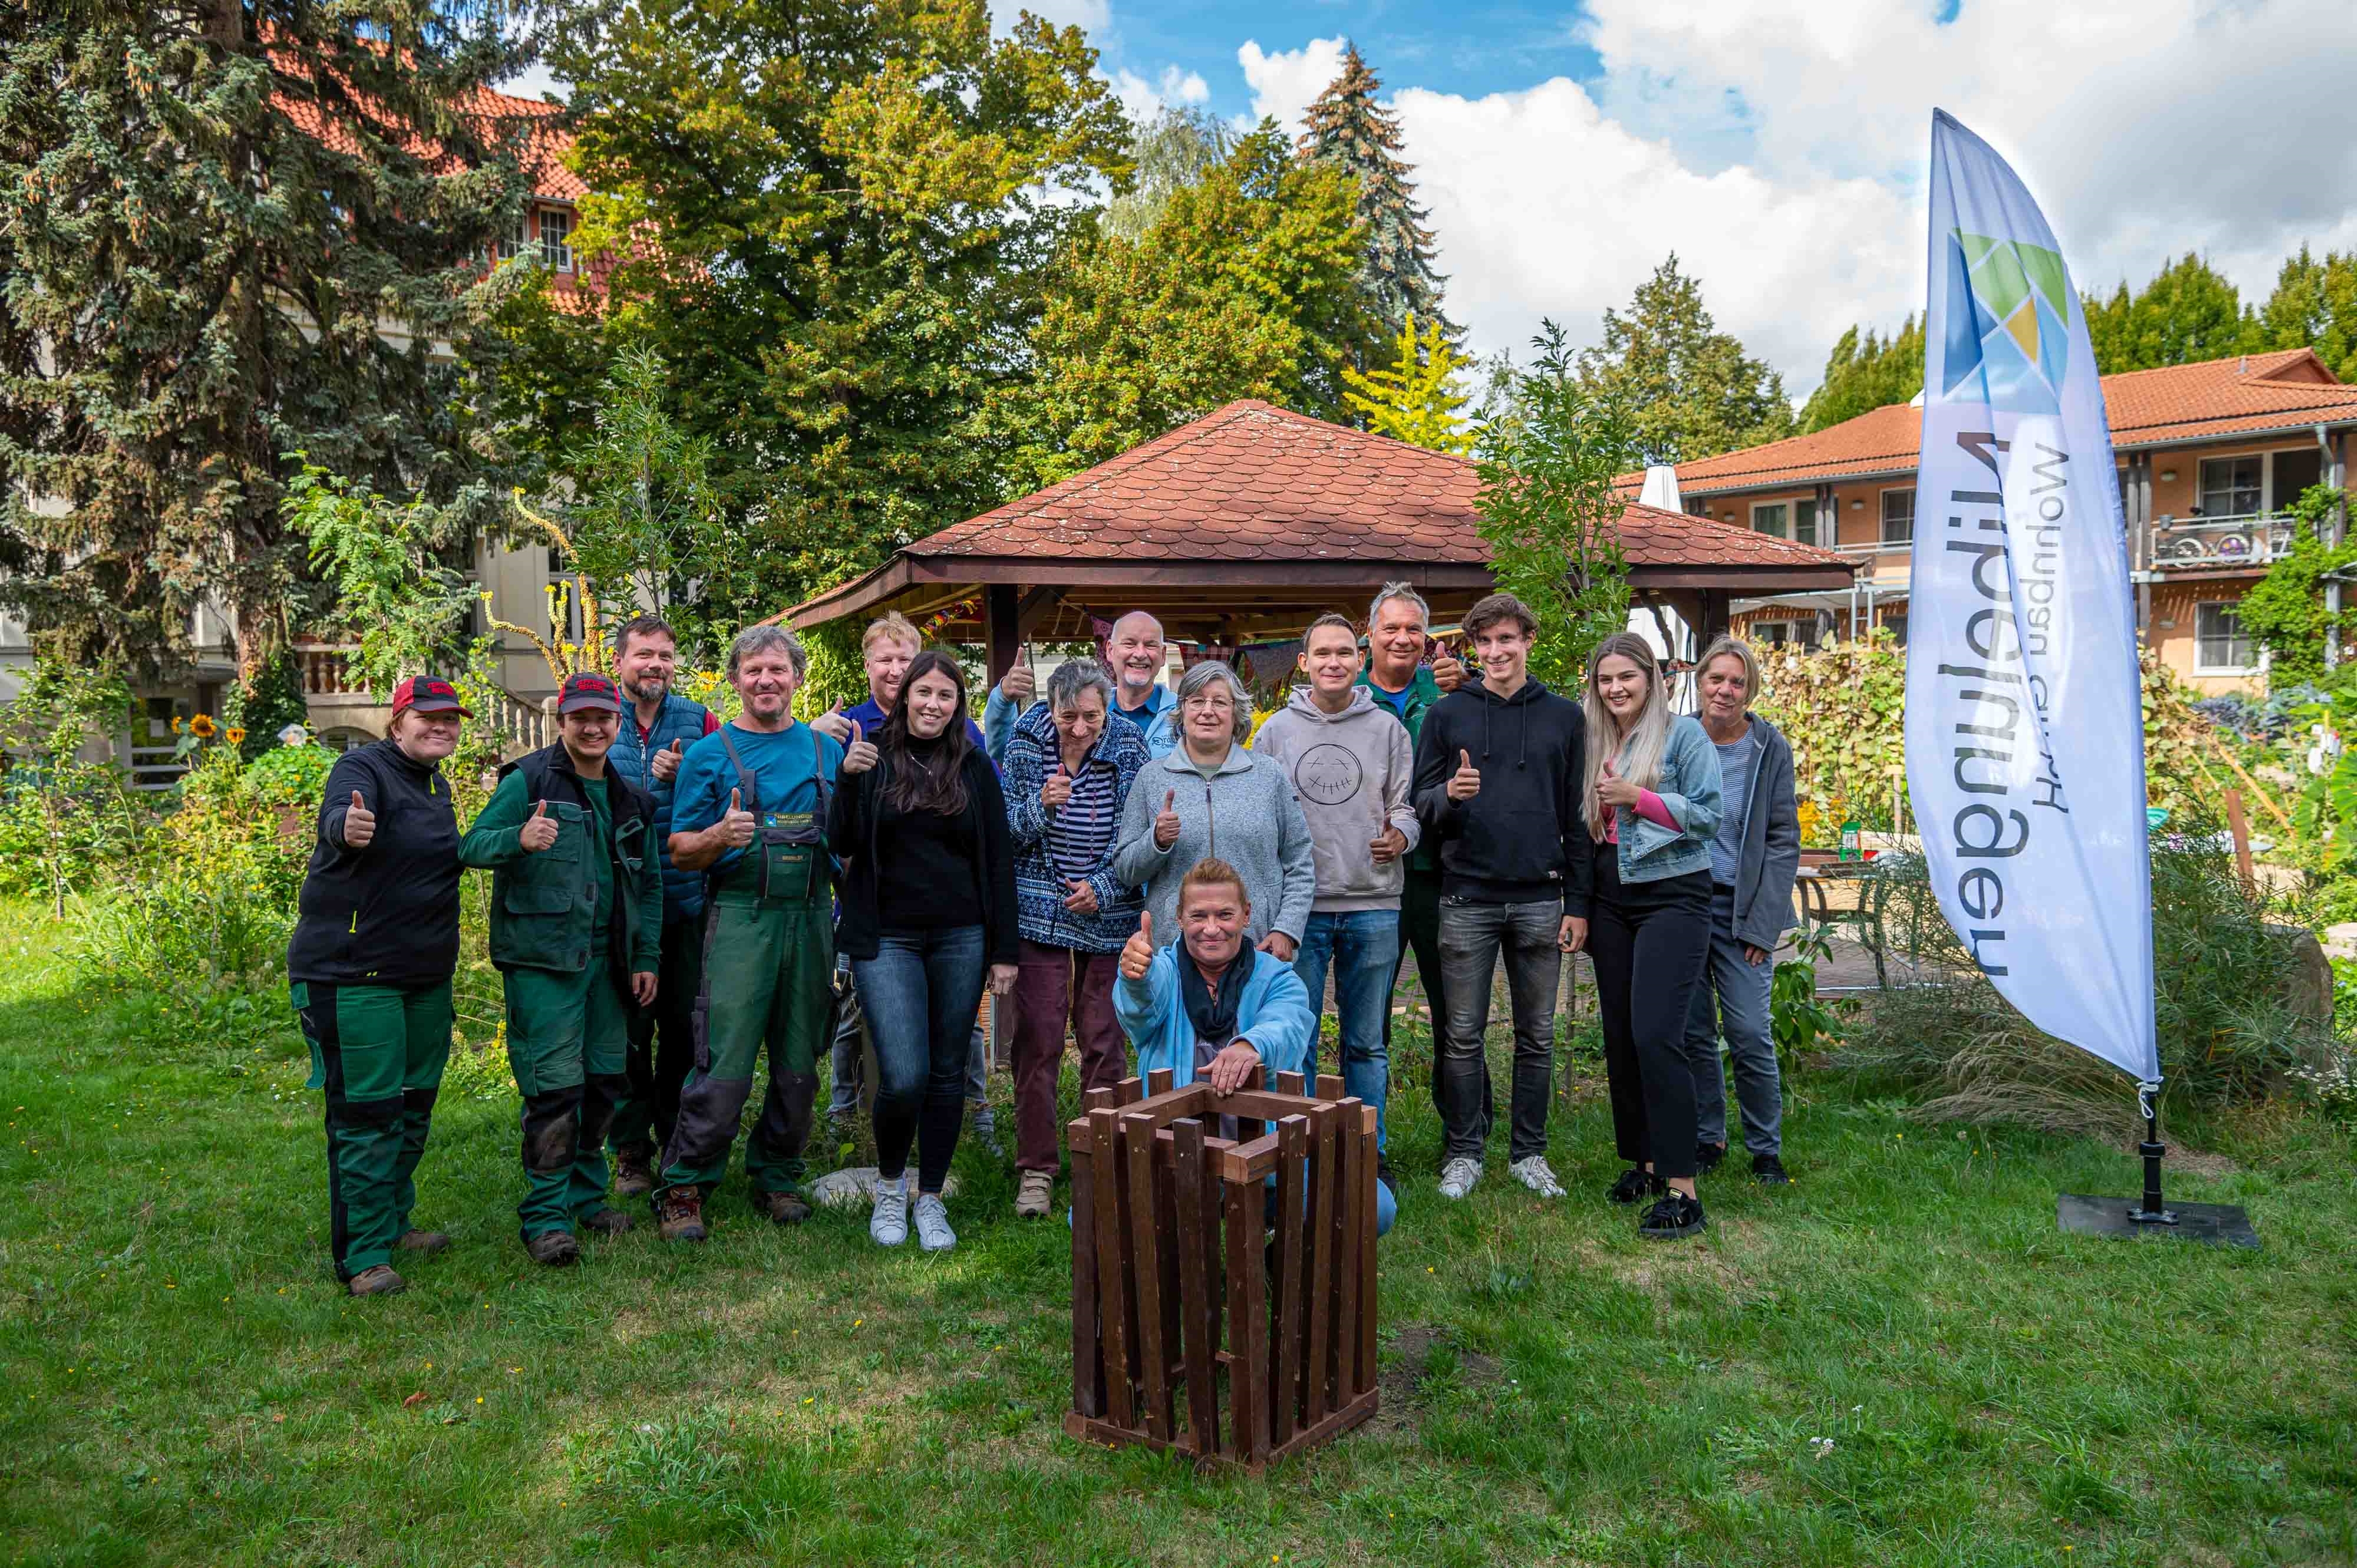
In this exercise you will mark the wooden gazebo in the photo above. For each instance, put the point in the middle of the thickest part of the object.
(1247, 523)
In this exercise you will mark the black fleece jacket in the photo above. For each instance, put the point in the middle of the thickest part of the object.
(1520, 840)
(386, 914)
(853, 835)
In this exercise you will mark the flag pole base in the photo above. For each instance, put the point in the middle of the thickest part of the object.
(2212, 1224)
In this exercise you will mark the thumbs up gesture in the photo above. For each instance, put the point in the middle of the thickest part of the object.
(860, 755)
(1058, 789)
(359, 823)
(1138, 953)
(1019, 685)
(664, 764)
(1466, 782)
(539, 829)
(834, 726)
(736, 827)
(1166, 821)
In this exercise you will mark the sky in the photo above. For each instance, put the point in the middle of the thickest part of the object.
(1778, 146)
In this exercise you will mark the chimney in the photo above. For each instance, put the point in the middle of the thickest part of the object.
(1660, 489)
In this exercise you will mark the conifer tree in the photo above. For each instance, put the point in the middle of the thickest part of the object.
(1349, 128)
(230, 230)
(1692, 390)
(1862, 375)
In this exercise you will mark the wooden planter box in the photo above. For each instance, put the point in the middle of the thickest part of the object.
(1181, 1284)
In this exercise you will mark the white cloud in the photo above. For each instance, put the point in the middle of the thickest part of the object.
(1778, 145)
(1176, 88)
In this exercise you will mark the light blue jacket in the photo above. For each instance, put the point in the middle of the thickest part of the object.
(1274, 1014)
(1689, 786)
(1161, 728)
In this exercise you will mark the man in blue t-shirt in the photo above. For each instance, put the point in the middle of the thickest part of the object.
(749, 810)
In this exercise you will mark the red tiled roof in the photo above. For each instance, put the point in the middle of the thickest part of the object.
(2287, 390)
(1255, 482)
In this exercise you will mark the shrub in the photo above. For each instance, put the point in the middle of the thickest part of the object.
(64, 819)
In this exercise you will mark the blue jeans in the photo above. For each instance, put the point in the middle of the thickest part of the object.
(843, 1099)
(919, 993)
(1741, 990)
(1363, 946)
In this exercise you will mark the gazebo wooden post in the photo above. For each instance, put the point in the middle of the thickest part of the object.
(1002, 630)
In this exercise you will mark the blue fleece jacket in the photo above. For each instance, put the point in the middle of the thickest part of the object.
(1274, 1014)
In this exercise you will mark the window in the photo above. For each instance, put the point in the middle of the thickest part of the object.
(1771, 633)
(555, 239)
(2230, 486)
(1804, 522)
(1895, 623)
(2294, 471)
(1770, 519)
(1698, 506)
(2221, 646)
(510, 244)
(1898, 517)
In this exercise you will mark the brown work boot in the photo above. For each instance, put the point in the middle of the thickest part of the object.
(782, 1208)
(607, 1222)
(378, 1280)
(556, 1248)
(634, 1172)
(680, 1215)
(422, 1241)
(1034, 1194)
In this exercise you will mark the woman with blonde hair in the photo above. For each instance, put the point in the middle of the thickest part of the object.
(1649, 798)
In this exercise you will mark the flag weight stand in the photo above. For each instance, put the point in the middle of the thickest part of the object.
(2214, 1224)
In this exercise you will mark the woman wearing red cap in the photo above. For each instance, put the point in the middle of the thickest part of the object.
(369, 967)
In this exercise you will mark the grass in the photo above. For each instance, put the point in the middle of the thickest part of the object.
(1898, 1360)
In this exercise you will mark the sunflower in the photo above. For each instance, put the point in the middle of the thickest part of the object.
(202, 726)
(177, 724)
(234, 734)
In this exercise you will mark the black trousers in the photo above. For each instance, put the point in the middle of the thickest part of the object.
(1420, 935)
(663, 1043)
(1649, 942)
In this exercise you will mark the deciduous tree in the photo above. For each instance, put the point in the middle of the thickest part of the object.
(1863, 374)
(2187, 313)
(1418, 398)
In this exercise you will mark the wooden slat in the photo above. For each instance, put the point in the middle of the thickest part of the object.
(1249, 1162)
(1333, 1426)
(1198, 1341)
(1215, 1193)
(1113, 1306)
(1318, 1370)
(1261, 1103)
(1367, 1295)
(1293, 1083)
(1137, 1150)
(1284, 1376)
(1088, 1372)
(1158, 1081)
(1350, 1211)
(1166, 1255)
(1129, 1091)
(1329, 1086)
(1247, 1324)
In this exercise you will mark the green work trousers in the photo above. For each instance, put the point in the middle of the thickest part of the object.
(378, 1051)
(568, 1044)
(769, 971)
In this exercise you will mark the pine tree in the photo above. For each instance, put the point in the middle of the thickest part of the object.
(1864, 375)
(1349, 128)
(230, 230)
(1417, 398)
(1693, 391)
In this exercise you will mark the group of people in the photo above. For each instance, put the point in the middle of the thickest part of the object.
(1126, 864)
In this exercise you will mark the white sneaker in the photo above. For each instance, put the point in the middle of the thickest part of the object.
(889, 1223)
(934, 1232)
(1538, 1175)
(1458, 1175)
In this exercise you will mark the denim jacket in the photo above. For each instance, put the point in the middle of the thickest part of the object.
(1689, 786)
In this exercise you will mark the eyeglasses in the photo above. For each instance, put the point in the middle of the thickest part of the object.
(1210, 702)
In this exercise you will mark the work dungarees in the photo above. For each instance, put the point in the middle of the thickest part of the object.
(769, 964)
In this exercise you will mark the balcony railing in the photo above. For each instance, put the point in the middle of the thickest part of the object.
(2182, 544)
(327, 670)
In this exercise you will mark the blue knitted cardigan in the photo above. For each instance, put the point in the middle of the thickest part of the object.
(1039, 890)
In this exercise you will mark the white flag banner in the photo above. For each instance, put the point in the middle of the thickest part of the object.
(2024, 719)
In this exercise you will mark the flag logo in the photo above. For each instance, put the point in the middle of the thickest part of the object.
(2012, 346)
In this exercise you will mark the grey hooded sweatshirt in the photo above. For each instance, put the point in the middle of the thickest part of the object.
(1350, 771)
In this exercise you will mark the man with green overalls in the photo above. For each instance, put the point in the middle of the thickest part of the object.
(576, 931)
(748, 808)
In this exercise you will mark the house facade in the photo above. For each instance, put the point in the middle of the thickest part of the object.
(2209, 458)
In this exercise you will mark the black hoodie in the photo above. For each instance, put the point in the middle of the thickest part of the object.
(1518, 840)
(388, 914)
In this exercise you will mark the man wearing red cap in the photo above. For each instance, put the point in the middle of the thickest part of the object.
(577, 930)
(369, 968)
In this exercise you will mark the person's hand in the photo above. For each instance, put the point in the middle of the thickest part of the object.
(1619, 792)
(1388, 845)
(1138, 953)
(1002, 979)
(1574, 935)
(539, 829)
(860, 755)
(1235, 1068)
(1277, 945)
(1057, 788)
(1466, 782)
(1752, 955)
(834, 727)
(665, 763)
(643, 988)
(1166, 821)
(1447, 671)
(736, 827)
(1082, 899)
(359, 823)
(1019, 685)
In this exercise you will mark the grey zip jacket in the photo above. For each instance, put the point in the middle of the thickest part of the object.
(1350, 771)
(1771, 843)
(1245, 814)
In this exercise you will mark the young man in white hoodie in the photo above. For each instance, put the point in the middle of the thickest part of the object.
(1351, 765)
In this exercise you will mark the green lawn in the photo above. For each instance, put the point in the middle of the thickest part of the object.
(1898, 1360)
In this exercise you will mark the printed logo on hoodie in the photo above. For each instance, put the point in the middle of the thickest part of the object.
(1329, 774)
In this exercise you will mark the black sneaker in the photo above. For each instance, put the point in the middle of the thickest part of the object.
(1706, 1158)
(1634, 1184)
(1769, 1171)
(1675, 1216)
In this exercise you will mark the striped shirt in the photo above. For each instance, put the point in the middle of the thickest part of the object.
(1081, 831)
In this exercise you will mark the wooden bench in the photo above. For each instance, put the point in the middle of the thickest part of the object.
(1172, 1251)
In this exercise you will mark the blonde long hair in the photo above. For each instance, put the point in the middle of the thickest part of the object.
(1635, 753)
